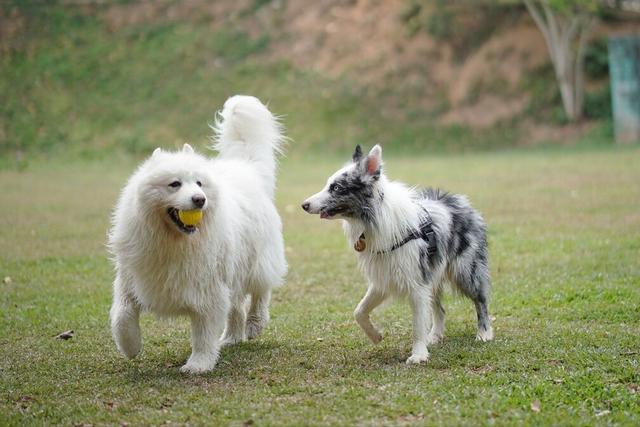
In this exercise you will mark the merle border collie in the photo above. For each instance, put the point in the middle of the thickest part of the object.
(409, 243)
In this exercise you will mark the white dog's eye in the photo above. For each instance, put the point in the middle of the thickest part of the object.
(199, 183)
(175, 184)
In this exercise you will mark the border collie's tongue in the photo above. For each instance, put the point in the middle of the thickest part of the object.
(324, 215)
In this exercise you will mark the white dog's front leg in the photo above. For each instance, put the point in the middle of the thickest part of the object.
(125, 320)
(371, 300)
(421, 312)
(205, 343)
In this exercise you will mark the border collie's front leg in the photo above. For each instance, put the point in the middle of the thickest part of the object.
(371, 300)
(420, 305)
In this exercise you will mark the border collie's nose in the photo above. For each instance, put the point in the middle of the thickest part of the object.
(198, 200)
(305, 206)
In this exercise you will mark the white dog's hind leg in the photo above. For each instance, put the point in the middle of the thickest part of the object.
(258, 313)
(371, 300)
(421, 306)
(205, 342)
(234, 332)
(125, 325)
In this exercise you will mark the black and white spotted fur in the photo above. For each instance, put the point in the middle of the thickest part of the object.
(382, 213)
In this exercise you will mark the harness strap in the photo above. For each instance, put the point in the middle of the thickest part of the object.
(424, 232)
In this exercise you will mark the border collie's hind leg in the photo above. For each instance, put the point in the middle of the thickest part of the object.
(485, 331)
(473, 281)
(437, 315)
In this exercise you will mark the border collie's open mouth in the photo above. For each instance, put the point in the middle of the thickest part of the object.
(173, 214)
(330, 213)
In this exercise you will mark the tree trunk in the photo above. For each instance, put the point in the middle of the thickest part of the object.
(561, 33)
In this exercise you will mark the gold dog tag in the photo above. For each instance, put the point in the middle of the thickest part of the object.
(360, 245)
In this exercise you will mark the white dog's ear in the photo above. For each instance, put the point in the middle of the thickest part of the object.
(373, 162)
(156, 151)
(186, 148)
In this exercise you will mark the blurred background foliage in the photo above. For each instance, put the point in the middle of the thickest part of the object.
(91, 78)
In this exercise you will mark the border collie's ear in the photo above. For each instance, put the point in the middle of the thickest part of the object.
(357, 154)
(374, 161)
(186, 148)
(156, 151)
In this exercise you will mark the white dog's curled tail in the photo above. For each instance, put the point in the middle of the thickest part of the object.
(246, 129)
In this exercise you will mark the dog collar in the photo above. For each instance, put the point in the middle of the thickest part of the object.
(424, 232)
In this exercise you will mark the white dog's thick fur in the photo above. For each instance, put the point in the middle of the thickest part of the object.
(205, 273)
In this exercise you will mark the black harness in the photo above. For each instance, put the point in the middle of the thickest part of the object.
(424, 232)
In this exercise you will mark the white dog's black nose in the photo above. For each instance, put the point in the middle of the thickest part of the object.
(305, 206)
(198, 200)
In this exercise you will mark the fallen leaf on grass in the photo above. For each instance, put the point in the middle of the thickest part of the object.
(601, 413)
(411, 418)
(535, 406)
(166, 403)
(249, 422)
(25, 401)
(7, 280)
(66, 335)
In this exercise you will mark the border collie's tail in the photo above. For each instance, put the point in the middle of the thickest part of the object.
(245, 129)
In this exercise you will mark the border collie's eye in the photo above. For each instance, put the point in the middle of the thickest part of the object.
(175, 184)
(199, 183)
(335, 188)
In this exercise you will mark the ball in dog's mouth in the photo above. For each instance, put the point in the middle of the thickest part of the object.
(186, 221)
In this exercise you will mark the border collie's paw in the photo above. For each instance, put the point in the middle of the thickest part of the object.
(485, 335)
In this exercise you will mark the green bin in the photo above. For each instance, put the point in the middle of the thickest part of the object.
(624, 68)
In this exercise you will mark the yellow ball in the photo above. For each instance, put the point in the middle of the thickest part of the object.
(190, 217)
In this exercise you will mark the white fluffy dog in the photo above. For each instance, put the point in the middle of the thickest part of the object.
(196, 236)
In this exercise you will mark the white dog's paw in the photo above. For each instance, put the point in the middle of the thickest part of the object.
(375, 336)
(418, 358)
(254, 326)
(228, 340)
(128, 340)
(434, 338)
(130, 349)
(198, 365)
(485, 335)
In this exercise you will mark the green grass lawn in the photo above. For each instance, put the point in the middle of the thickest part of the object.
(564, 231)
